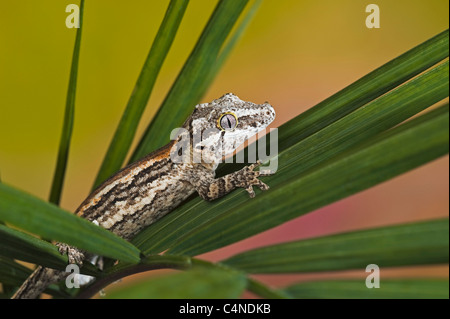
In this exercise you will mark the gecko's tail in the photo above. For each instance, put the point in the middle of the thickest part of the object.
(37, 282)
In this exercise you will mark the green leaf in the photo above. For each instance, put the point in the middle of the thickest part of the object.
(126, 129)
(190, 83)
(400, 150)
(12, 273)
(36, 216)
(355, 128)
(18, 245)
(408, 244)
(63, 153)
(366, 89)
(198, 283)
(356, 289)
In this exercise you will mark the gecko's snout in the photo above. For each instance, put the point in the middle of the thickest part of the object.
(269, 112)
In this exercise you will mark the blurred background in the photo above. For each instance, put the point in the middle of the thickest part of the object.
(294, 54)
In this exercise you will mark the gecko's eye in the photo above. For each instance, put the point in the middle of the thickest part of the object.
(227, 121)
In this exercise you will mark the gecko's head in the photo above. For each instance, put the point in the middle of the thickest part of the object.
(219, 127)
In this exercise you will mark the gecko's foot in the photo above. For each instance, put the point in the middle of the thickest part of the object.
(249, 178)
(262, 171)
(74, 254)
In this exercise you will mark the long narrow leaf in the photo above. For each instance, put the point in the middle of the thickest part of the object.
(407, 244)
(403, 149)
(63, 153)
(36, 216)
(356, 289)
(126, 129)
(190, 83)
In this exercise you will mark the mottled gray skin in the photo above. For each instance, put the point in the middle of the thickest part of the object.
(148, 189)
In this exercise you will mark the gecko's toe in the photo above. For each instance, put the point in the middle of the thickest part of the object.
(250, 191)
(251, 167)
(266, 172)
(75, 256)
(262, 171)
(263, 186)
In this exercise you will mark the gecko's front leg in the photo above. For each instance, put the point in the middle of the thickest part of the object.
(210, 188)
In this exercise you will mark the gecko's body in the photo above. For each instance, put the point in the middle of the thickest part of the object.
(148, 189)
(137, 195)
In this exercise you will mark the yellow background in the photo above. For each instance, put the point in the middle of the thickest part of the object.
(294, 54)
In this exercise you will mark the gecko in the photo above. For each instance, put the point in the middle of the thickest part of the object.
(146, 190)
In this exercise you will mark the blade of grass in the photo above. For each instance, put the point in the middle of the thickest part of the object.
(190, 83)
(36, 216)
(362, 124)
(64, 145)
(356, 289)
(404, 148)
(407, 244)
(126, 129)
